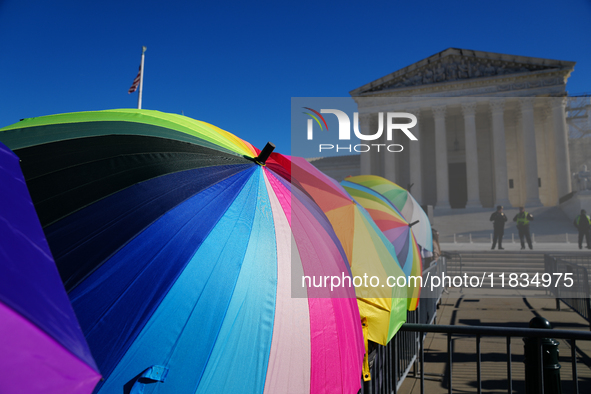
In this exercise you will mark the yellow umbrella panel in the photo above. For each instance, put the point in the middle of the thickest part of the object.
(372, 258)
(398, 232)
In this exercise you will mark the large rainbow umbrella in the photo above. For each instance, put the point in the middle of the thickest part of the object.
(406, 205)
(369, 252)
(178, 251)
(397, 230)
(42, 349)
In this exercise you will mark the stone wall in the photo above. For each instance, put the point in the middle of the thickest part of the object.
(573, 206)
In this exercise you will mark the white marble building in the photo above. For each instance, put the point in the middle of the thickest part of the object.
(491, 129)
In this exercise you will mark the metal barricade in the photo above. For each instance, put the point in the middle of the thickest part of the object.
(582, 259)
(453, 264)
(508, 333)
(576, 296)
(389, 365)
(429, 297)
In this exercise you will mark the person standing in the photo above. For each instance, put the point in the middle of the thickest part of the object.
(583, 224)
(498, 218)
(523, 218)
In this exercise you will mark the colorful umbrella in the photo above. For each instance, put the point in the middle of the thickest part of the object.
(369, 252)
(42, 349)
(397, 230)
(178, 251)
(406, 205)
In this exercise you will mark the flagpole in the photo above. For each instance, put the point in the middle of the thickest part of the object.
(139, 97)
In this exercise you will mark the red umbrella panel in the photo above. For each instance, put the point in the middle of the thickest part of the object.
(177, 246)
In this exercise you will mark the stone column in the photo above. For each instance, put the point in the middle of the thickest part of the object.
(441, 157)
(530, 156)
(469, 111)
(497, 107)
(388, 159)
(365, 157)
(414, 148)
(563, 181)
(550, 162)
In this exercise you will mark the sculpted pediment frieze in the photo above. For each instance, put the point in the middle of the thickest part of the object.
(453, 68)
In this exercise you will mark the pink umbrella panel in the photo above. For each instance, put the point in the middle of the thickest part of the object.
(179, 246)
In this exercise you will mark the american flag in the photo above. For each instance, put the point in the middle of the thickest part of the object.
(136, 82)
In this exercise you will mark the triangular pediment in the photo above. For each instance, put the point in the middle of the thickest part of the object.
(457, 65)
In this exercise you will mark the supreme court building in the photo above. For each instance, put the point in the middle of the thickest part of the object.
(491, 129)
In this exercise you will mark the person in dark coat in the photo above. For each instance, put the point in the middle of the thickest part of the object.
(583, 224)
(523, 218)
(498, 218)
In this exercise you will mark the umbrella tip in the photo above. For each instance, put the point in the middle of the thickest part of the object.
(265, 153)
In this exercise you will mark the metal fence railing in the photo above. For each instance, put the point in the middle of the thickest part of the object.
(582, 259)
(453, 263)
(389, 365)
(578, 295)
(508, 333)
(430, 296)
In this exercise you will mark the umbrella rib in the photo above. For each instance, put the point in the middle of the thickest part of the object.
(136, 277)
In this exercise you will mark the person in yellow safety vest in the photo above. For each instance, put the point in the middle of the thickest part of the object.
(523, 218)
(583, 224)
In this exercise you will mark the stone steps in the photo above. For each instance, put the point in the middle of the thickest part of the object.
(498, 263)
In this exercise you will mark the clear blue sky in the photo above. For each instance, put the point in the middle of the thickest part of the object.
(237, 64)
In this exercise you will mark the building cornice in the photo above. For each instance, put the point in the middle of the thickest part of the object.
(456, 70)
